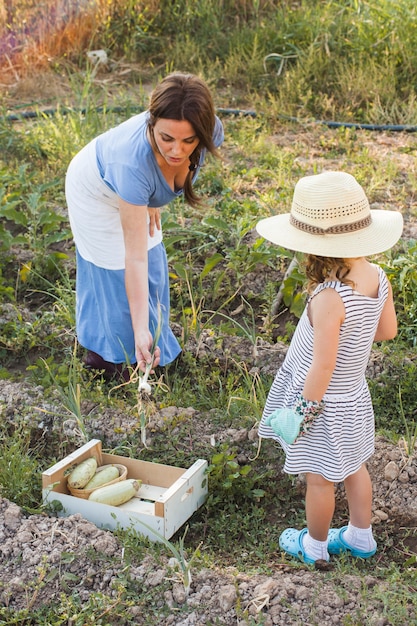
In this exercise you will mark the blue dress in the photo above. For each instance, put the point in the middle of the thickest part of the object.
(118, 163)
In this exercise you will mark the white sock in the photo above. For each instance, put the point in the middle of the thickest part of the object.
(360, 538)
(314, 549)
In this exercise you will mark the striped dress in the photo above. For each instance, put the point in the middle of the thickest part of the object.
(342, 437)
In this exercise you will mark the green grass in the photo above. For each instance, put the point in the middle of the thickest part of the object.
(353, 61)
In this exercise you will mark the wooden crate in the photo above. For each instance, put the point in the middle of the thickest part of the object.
(167, 498)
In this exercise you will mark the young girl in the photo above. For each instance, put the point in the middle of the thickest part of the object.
(319, 407)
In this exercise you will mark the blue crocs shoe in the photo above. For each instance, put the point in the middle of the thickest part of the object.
(337, 545)
(291, 541)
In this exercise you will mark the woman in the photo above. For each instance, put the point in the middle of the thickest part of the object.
(115, 187)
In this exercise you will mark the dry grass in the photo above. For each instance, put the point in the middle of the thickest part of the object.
(34, 34)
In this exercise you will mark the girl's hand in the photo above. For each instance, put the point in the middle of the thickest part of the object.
(154, 220)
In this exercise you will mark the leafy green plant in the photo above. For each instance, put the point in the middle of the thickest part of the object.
(29, 222)
(291, 291)
(254, 392)
(69, 391)
(238, 257)
(391, 408)
(229, 479)
(410, 436)
(190, 313)
(18, 466)
(231, 258)
(402, 271)
(48, 323)
(246, 328)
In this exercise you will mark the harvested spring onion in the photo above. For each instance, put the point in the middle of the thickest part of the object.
(144, 386)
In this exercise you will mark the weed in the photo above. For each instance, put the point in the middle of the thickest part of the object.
(228, 477)
(254, 394)
(402, 272)
(410, 438)
(69, 392)
(247, 328)
(399, 373)
(192, 312)
(29, 211)
(18, 466)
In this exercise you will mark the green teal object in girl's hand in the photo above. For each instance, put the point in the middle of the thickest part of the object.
(285, 423)
(289, 424)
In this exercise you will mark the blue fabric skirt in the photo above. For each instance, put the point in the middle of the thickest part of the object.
(103, 317)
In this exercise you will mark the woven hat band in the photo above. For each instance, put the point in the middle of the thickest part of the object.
(331, 230)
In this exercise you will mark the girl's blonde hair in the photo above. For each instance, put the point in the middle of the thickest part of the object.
(320, 269)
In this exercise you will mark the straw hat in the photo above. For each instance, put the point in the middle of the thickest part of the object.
(330, 216)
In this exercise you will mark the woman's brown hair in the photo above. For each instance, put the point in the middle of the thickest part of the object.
(319, 269)
(186, 97)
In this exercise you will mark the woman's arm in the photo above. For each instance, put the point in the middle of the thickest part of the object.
(327, 314)
(387, 327)
(135, 232)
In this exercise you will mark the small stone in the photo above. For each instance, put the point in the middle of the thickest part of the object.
(391, 471)
(381, 515)
(403, 477)
(227, 597)
(179, 593)
(269, 587)
(24, 537)
(12, 516)
(155, 578)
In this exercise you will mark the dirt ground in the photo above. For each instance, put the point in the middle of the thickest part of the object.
(37, 545)
(43, 556)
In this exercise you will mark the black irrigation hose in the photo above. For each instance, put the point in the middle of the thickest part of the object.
(16, 117)
(394, 127)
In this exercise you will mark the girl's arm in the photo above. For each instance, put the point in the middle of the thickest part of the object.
(327, 314)
(135, 232)
(387, 327)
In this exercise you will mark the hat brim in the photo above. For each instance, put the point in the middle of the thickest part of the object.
(384, 231)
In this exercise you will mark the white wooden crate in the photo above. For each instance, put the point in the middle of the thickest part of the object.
(167, 498)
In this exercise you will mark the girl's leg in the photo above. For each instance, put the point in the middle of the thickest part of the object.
(359, 494)
(320, 500)
(358, 488)
(320, 503)
(311, 543)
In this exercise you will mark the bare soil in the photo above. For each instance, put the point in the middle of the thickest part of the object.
(81, 559)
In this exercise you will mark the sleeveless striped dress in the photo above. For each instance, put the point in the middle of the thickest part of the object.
(342, 437)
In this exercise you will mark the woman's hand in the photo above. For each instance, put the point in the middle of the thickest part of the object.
(144, 356)
(154, 220)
